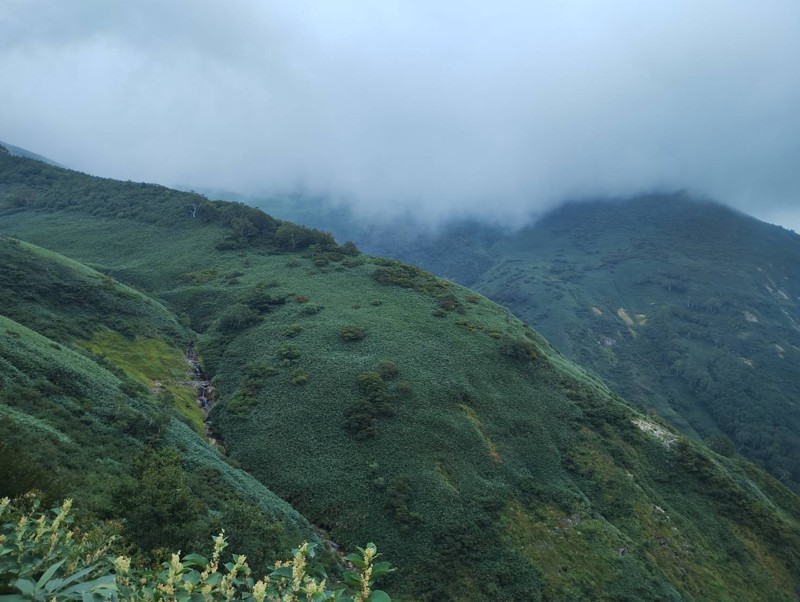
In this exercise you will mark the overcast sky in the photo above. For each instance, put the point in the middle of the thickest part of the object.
(440, 108)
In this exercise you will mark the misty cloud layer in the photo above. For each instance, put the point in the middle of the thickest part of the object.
(437, 108)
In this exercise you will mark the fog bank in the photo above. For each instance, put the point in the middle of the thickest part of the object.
(438, 109)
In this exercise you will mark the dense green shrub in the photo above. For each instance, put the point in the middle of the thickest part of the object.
(251, 386)
(298, 376)
(159, 507)
(289, 353)
(451, 303)
(201, 276)
(20, 472)
(353, 262)
(350, 248)
(388, 369)
(398, 496)
(352, 333)
(362, 415)
(519, 349)
(293, 237)
(406, 276)
(241, 403)
(361, 420)
(402, 390)
(260, 300)
(311, 309)
(293, 330)
(238, 318)
(372, 386)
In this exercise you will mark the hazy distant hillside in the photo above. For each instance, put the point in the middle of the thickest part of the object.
(21, 152)
(688, 308)
(388, 405)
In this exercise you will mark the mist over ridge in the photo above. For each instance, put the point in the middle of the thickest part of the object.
(453, 110)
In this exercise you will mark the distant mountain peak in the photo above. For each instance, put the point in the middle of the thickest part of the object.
(21, 152)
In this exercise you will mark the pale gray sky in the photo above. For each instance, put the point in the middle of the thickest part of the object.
(440, 108)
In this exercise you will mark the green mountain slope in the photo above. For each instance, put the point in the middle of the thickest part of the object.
(389, 405)
(685, 307)
(93, 374)
(688, 308)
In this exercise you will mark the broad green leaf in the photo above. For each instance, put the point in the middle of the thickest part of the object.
(284, 571)
(72, 578)
(192, 577)
(356, 560)
(48, 574)
(351, 578)
(106, 582)
(381, 568)
(25, 586)
(195, 560)
(214, 579)
(312, 550)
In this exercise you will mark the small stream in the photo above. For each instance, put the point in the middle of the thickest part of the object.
(203, 388)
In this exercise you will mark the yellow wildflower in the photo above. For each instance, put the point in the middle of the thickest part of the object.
(40, 528)
(299, 566)
(259, 591)
(313, 588)
(365, 577)
(65, 508)
(122, 565)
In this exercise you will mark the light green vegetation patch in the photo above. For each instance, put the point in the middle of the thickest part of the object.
(490, 446)
(156, 364)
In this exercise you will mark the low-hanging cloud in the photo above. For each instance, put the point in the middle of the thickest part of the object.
(433, 108)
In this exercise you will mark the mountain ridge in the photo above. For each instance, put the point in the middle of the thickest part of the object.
(21, 152)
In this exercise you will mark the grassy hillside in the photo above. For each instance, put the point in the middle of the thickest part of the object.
(388, 405)
(93, 378)
(685, 307)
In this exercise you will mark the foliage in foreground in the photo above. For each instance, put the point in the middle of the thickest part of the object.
(47, 555)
